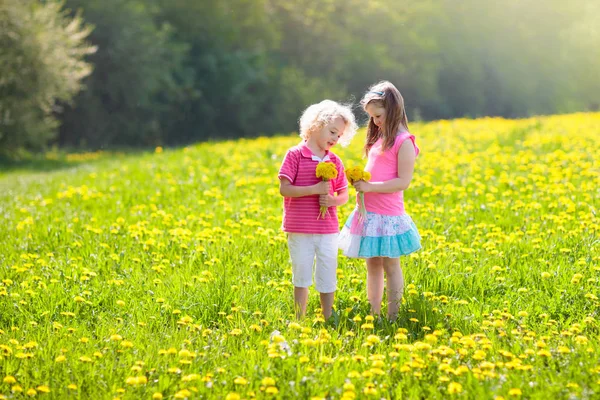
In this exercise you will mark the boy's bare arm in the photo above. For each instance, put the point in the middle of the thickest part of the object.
(286, 189)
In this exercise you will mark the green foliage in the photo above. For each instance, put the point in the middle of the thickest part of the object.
(178, 71)
(244, 85)
(138, 79)
(41, 64)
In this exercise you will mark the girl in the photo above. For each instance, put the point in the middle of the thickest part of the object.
(322, 125)
(387, 232)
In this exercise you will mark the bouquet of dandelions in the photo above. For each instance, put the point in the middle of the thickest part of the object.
(355, 174)
(327, 171)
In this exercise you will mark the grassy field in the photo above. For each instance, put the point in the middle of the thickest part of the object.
(165, 275)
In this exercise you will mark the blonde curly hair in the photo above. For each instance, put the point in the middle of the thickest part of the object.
(320, 114)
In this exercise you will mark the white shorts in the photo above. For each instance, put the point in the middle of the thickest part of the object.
(304, 248)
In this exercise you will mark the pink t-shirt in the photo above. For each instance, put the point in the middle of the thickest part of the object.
(300, 214)
(383, 166)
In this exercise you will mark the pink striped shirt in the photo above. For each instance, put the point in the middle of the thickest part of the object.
(300, 214)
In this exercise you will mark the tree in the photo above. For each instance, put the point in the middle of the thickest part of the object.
(138, 84)
(42, 64)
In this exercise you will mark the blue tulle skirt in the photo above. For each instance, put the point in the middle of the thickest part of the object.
(379, 236)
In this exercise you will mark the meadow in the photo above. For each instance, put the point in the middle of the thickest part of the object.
(165, 275)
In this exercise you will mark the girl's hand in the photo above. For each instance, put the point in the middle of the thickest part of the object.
(326, 200)
(363, 186)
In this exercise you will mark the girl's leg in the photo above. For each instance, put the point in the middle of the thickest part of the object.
(395, 285)
(327, 304)
(300, 300)
(375, 283)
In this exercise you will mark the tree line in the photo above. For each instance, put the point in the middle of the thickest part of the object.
(97, 73)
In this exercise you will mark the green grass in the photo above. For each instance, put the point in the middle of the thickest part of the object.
(131, 275)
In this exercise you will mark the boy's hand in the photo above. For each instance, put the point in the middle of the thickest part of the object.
(321, 188)
(326, 200)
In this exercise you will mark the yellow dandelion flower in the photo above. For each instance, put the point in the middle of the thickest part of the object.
(326, 171)
(454, 387)
(515, 392)
(182, 394)
(581, 339)
(303, 359)
(136, 380)
(591, 296)
(353, 374)
(326, 360)
(267, 381)
(190, 378)
(544, 353)
(373, 339)
(272, 390)
(563, 350)
(431, 338)
(370, 390)
(240, 381)
(43, 389)
(295, 326)
(422, 346)
(348, 396)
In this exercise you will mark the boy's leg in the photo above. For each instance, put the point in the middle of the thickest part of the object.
(300, 301)
(302, 253)
(395, 285)
(327, 304)
(326, 247)
(375, 283)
